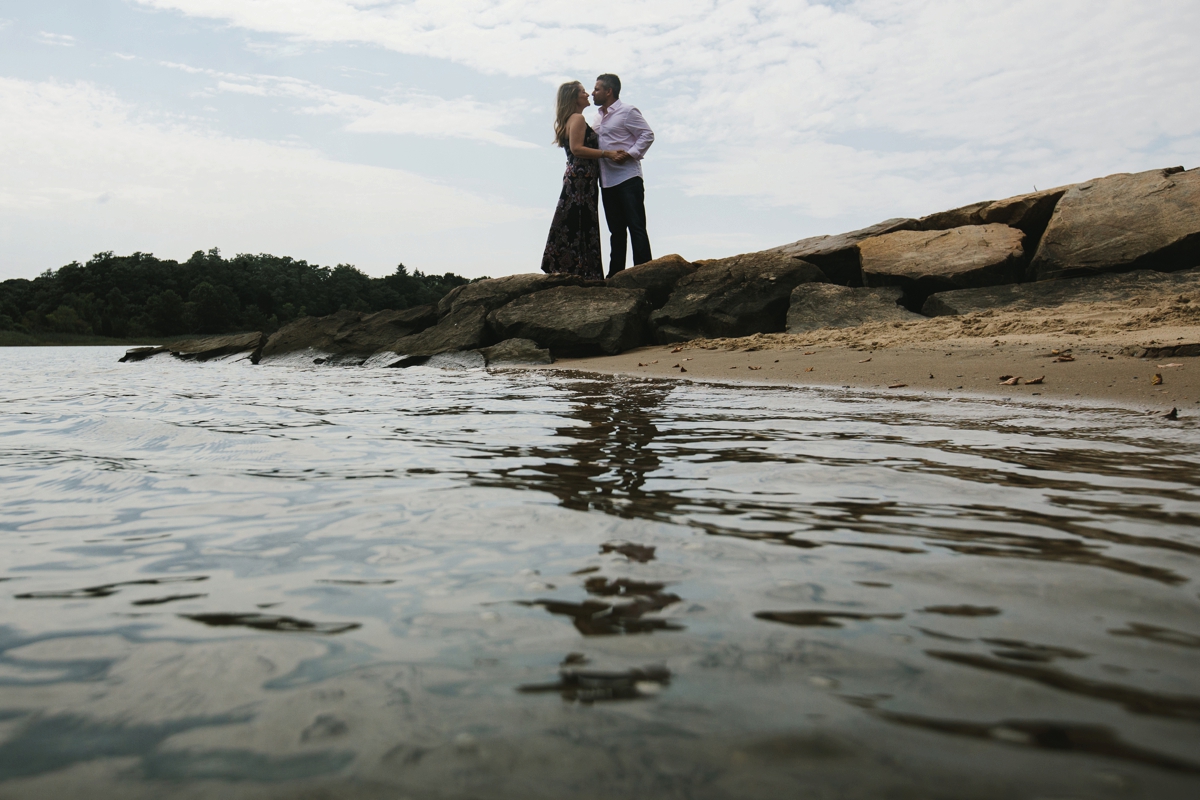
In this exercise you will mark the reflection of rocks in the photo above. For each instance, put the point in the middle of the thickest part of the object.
(598, 618)
(270, 622)
(590, 686)
(818, 619)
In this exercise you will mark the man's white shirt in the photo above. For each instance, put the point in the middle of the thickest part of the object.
(622, 127)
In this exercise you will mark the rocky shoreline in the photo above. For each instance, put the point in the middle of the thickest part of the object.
(1101, 242)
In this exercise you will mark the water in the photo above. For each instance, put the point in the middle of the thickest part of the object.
(294, 581)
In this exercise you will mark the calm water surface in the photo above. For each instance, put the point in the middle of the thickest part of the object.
(219, 580)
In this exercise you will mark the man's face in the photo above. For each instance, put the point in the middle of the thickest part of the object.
(601, 94)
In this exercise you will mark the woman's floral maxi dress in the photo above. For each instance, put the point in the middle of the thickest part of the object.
(573, 246)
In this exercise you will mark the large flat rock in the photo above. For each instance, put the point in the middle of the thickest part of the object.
(315, 333)
(826, 305)
(1028, 212)
(837, 255)
(465, 328)
(1116, 288)
(576, 320)
(924, 262)
(656, 278)
(204, 348)
(1145, 220)
(492, 293)
(736, 296)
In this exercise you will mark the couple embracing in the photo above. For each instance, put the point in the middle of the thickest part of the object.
(611, 154)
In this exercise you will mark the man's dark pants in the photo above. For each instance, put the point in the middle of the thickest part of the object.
(625, 210)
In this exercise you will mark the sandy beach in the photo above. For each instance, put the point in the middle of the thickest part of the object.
(1078, 352)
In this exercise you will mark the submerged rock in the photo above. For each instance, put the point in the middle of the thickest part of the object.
(826, 305)
(465, 328)
(736, 296)
(576, 320)
(516, 351)
(493, 293)
(837, 256)
(657, 278)
(1147, 220)
(923, 262)
(1049, 294)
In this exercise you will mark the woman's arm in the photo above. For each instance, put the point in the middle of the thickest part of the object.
(575, 128)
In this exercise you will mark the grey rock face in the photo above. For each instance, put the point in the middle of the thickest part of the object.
(576, 320)
(495, 292)
(374, 332)
(736, 296)
(1049, 294)
(930, 261)
(657, 278)
(462, 329)
(826, 305)
(1147, 220)
(516, 351)
(837, 256)
(316, 333)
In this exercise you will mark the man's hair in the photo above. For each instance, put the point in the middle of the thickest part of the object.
(611, 82)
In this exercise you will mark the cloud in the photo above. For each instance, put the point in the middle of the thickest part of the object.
(847, 105)
(403, 112)
(94, 174)
(56, 39)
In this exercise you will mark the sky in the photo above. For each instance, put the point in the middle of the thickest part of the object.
(380, 132)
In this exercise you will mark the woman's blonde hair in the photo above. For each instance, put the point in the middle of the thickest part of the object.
(568, 95)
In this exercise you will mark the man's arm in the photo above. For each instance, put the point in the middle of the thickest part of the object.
(635, 123)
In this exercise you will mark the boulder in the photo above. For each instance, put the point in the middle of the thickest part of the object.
(1146, 220)
(837, 256)
(316, 333)
(516, 351)
(576, 320)
(492, 293)
(1117, 288)
(657, 278)
(203, 349)
(465, 328)
(827, 305)
(736, 296)
(374, 332)
(1029, 213)
(924, 262)
(954, 218)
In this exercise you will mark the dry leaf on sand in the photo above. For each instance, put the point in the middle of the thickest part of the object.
(1035, 381)
(677, 350)
(898, 385)
(1065, 357)
(865, 360)
(683, 369)
(1172, 414)
(1011, 381)
(810, 369)
(1156, 380)
(754, 368)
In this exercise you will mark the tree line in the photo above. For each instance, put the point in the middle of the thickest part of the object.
(139, 295)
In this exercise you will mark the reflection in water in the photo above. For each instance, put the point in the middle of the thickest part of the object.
(427, 541)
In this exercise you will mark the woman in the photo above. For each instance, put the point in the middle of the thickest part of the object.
(573, 246)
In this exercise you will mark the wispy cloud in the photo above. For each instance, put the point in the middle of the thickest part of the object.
(56, 39)
(402, 111)
(858, 100)
(88, 157)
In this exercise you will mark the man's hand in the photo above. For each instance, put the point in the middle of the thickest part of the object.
(622, 157)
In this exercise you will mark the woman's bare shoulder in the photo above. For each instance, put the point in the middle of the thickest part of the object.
(575, 119)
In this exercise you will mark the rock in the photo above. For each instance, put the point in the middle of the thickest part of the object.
(374, 332)
(216, 346)
(924, 262)
(657, 278)
(316, 333)
(954, 218)
(736, 296)
(492, 293)
(827, 305)
(141, 353)
(1146, 220)
(1049, 294)
(465, 328)
(576, 320)
(837, 256)
(1029, 213)
(516, 351)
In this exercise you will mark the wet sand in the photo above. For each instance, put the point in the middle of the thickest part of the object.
(1079, 353)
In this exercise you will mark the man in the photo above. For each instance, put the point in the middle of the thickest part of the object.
(622, 127)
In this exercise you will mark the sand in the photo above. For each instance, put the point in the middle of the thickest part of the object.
(1076, 352)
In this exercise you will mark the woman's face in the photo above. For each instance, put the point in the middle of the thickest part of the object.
(581, 100)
